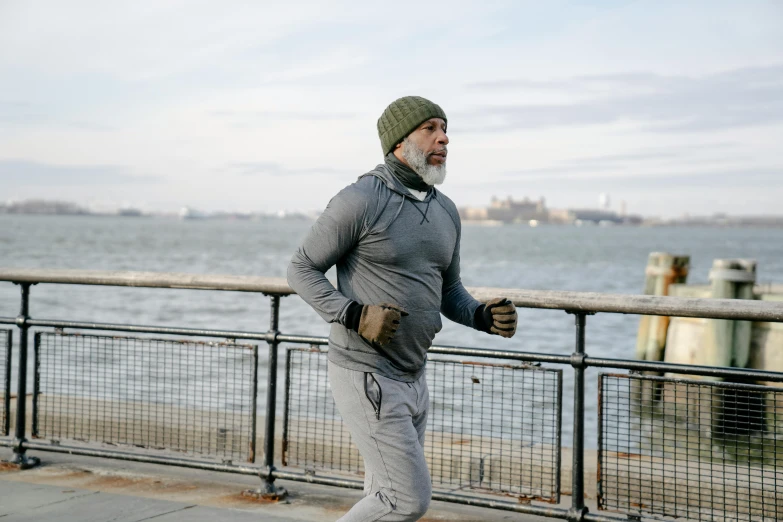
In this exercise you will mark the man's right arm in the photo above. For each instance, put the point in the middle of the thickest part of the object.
(332, 236)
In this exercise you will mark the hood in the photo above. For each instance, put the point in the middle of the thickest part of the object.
(384, 173)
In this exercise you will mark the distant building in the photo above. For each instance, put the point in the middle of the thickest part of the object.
(37, 206)
(130, 212)
(595, 215)
(534, 212)
(190, 213)
(508, 211)
(561, 216)
(474, 213)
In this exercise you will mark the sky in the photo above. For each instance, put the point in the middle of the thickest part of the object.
(671, 107)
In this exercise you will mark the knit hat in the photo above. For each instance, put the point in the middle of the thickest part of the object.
(402, 116)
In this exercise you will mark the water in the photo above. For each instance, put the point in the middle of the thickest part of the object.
(594, 259)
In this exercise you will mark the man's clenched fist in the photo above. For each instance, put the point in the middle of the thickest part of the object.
(378, 323)
(500, 317)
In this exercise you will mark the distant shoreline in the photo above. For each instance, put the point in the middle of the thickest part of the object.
(748, 222)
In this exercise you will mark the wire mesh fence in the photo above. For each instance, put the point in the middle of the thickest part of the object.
(495, 428)
(695, 449)
(314, 436)
(492, 428)
(6, 339)
(189, 397)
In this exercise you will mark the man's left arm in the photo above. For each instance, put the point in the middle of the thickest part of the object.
(498, 316)
(456, 303)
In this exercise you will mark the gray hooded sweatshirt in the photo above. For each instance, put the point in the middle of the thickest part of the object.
(389, 247)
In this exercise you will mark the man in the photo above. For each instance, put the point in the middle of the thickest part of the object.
(395, 240)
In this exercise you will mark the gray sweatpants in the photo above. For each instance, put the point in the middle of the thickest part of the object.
(387, 419)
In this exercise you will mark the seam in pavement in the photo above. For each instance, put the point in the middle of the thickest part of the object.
(57, 502)
(167, 513)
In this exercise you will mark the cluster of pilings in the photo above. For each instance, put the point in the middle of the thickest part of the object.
(722, 342)
(710, 342)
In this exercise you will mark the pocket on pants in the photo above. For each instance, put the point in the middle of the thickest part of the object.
(374, 393)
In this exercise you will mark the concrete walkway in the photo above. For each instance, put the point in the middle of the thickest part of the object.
(23, 502)
(69, 488)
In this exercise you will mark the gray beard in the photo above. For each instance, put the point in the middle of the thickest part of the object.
(417, 159)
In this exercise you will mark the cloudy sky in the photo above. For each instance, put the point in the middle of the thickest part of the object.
(672, 107)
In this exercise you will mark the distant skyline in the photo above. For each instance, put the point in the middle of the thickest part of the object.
(671, 107)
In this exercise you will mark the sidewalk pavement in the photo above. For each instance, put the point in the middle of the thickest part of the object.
(70, 488)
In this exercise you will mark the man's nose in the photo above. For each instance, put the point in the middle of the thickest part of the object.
(442, 138)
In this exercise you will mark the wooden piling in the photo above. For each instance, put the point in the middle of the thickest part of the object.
(743, 329)
(650, 278)
(719, 333)
(671, 269)
(662, 270)
(727, 343)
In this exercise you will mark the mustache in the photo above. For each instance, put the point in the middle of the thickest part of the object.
(444, 150)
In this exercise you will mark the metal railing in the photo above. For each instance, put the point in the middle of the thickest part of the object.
(6, 342)
(491, 428)
(513, 449)
(701, 448)
(179, 396)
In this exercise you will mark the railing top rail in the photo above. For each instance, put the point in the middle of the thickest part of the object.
(556, 300)
(741, 309)
(268, 285)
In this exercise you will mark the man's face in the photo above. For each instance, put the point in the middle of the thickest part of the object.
(424, 151)
(430, 137)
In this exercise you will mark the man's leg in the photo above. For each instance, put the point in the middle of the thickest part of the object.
(399, 487)
(423, 401)
(419, 422)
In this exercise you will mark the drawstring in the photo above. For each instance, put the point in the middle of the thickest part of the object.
(402, 203)
(423, 214)
(377, 216)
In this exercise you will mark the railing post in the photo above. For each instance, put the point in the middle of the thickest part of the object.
(19, 458)
(7, 390)
(578, 509)
(270, 491)
(254, 407)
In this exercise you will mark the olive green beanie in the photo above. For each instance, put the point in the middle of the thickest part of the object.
(402, 116)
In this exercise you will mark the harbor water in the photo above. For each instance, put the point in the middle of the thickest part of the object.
(594, 259)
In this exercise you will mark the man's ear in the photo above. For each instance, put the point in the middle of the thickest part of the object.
(397, 151)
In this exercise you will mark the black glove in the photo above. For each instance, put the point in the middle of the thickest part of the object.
(498, 317)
